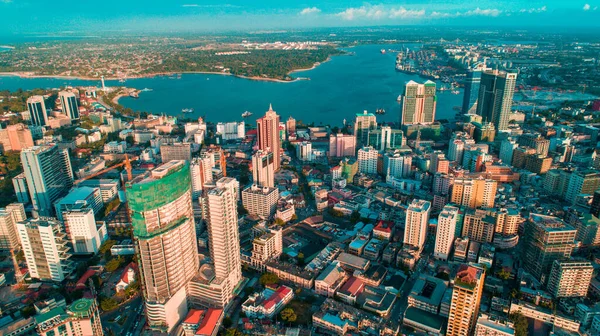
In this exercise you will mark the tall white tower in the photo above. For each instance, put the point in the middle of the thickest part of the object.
(103, 86)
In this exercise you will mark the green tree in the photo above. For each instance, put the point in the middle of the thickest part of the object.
(28, 311)
(108, 304)
(227, 322)
(520, 323)
(233, 332)
(504, 275)
(294, 217)
(269, 279)
(113, 264)
(354, 217)
(279, 221)
(288, 315)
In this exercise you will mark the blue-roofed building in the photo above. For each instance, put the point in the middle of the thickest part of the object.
(78, 198)
(357, 246)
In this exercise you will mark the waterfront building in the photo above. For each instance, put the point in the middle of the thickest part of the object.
(363, 124)
(36, 105)
(570, 278)
(386, 138)
(69, 104)
(267, 128)
(45, 248)
(367, 160)
(15, 138)
(495, 97)
(445, 234)
(263, 169)
(342, 145)
(260, 201)
(417, 221)
(419, 103)
(161, 214)
(466, 298)
(231, 130)
(290, 125)
(471, 92)
(48, 174)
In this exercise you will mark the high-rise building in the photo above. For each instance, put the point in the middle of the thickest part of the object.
(507, 221)
(486, 326)
(82, 230)
(595, 207)
(466, 297)
(546, 239)
(21, 189)
(535, 141)
(397, 164)
(456, 147)
(48, 174)
(446, 229)
(80, 318)
(15, 138)
(176, 151)
(419, 103)
(36, 106)
(364, 123)
(386, 138)
(78, 198)
(262, 169)
(268, 135)
(201, 170)
(507, 147)
(471, 93)
(367, 160)
(9, 235)
(417, 221)
(570, 278)
(290, 125)
(479, 226)
(342, 145)
(495, 97)
(260, 201)
(70, 106)
(267, 246)
(162, 217)
(231, 130)
(304, 151)
(45, 248)
(582, 182)
(215, 284)
(474, 193)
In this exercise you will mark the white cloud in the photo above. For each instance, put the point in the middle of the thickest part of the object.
(190, 5)
(310, 10)
(534, 10)
(380, 12)
(586, 7)
(405, 13)
(483, 12)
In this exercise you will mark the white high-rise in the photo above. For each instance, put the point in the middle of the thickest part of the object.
(70, 106)
(446, 228)
(417, 218)
(9, 217)
(397, 164)
(81, 227)
(367, 160)
(457, 145)
(45, 248)
(263, 169)
(201, 173)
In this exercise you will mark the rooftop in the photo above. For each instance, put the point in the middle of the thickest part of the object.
(429, 289)
(209, 322)
(424, 317)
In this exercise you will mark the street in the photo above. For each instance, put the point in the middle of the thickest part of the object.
(135, 319)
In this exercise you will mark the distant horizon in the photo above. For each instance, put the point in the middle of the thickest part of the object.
(211, 16)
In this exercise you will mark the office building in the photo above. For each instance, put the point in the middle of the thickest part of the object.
(386, 138)
(507, 148)
(474, 193)
(109, 188)
(367, 160)
(79, 198)
(570, 278)
(263, 172)
(36, 106)
(418, 103)
(161, 214)
(176, 151)
(9, 235)
(260, 201)
(342, 145)
(79, 319)
(82, 230)
(45, 247)
(466, 297)
(363, 124)
(268, 140)
(478, 226)
(304, 151)
(582, 183)
(21, 189)
(15, 138)
(446, 230)
(231, 130)
(48, 174)
(417, 221)
(69, 104)
(457, 144)
(546, 239)
(495, 97)
(471, 93)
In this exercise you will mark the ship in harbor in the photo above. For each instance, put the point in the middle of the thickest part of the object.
(246, 114)
(380, 111)
(187, 110)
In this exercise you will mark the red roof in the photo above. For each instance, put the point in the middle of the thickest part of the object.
(209, 322)
(279, 294)
(125, 274)
(194, 316)
(353, 286)
(384, 226)
(84, 278)
(252, 132)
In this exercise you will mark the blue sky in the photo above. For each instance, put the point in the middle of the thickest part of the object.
(45, 16)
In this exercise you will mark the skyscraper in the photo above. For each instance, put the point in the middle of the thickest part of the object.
(37, 110)
(70, 106)
(48, 174)
(417, 221)
(466, 297)
(162, 217)
(45, 248)
(263, 169)
(268, 136)
(546, 239)
(495, 97)
(446, 228)
(419, 103)
(472, 82)
(364, 123)
(260, 201)
(386, 138)
(570, 278)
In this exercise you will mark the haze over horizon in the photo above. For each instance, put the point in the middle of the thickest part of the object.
(44, 17)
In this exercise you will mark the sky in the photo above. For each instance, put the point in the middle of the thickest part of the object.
(45, 16)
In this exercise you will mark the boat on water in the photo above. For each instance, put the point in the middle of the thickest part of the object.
(399, 98)
(383, 51)
(146, 90)
(246, 114)
(380, 111)
(455, 92)
(122, 80)
(187, 110)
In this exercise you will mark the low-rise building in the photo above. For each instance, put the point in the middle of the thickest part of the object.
(268, 303)
(427, 293)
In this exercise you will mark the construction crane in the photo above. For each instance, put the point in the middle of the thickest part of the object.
(126, 163)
